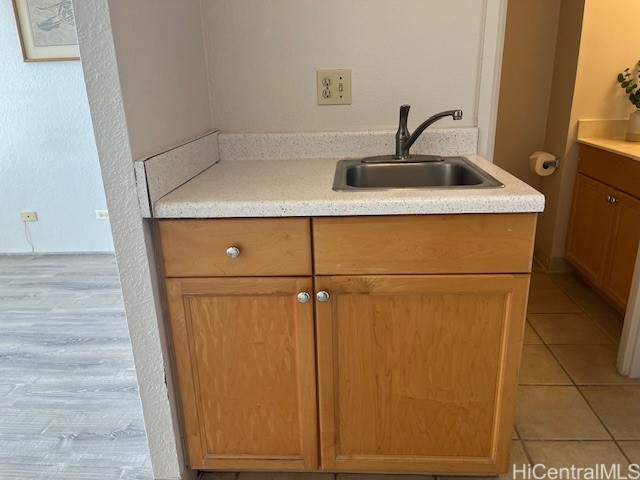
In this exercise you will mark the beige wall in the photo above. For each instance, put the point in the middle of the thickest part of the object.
(558, 121)
(262, 58)
(161, 62)
(606, 47)
(525, 86)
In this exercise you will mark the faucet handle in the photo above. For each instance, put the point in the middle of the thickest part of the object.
(404, 113)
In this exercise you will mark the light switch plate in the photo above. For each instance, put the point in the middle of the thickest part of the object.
(334, 87)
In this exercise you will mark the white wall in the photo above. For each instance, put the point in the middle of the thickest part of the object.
(262, 57)
(48, 158)
(145, 78)
(163, 72)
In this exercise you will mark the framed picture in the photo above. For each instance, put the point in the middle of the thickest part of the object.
(47, 30)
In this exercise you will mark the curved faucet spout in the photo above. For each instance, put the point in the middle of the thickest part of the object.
(404, 140)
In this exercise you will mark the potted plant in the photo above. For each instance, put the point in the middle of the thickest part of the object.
(629, 81)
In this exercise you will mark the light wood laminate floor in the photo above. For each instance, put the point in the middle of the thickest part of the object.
(69, 403)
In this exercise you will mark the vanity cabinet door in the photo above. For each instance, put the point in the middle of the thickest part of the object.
(589, 234)
(623, 250)
(245, 362)
(418, 373)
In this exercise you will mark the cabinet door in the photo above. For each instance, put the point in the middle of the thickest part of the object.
(590, 228)
(419, 373)
(245, 361)
(623, 250)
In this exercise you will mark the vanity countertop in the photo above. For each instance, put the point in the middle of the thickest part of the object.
(303, 187)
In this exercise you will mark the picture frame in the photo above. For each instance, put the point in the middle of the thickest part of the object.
(46, 29)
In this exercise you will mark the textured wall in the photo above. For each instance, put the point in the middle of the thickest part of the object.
(117, 59)
(48, 158)
(262, 57)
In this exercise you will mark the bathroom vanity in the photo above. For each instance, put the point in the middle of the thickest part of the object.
(315, 330)
(604, 230)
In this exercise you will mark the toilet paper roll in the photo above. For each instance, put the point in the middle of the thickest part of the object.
(537, 163)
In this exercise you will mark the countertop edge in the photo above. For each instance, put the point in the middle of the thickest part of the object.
(610, 145)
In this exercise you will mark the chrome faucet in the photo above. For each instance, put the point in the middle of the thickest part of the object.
(404, 139)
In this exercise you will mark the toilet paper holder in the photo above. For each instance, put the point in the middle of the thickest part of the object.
(552, 163)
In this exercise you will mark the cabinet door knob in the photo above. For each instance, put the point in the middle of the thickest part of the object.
(609, 198)
(233, 252)
(304, 297)
(614, 200)
(322, 296)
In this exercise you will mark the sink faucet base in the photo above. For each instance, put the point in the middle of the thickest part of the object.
(404, 140)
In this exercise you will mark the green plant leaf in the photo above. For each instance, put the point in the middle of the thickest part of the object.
(620, 78)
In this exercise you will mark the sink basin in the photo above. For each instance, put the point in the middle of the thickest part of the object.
(449, 172)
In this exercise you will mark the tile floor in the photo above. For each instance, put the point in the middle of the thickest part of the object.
(572, 406)
(69, 403)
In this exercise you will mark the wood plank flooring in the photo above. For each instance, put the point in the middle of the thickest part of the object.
(69, 403)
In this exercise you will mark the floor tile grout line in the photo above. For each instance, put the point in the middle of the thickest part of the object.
(566, 292)
(526, 452)
(596, 413)
(624, 454)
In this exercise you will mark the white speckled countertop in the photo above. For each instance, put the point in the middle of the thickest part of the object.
(303, 187)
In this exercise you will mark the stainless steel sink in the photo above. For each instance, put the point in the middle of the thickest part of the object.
(447, 172)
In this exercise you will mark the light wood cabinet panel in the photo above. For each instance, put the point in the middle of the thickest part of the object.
(592, 218)
(618, 171)
(268, 246)
(245, 362)
(624, 248)
(418, 373)
(423, 244)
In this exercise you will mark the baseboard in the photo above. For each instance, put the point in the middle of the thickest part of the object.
(51, 254)
(550, 264)
(188, 474)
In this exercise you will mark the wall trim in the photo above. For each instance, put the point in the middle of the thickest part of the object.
(629, 352)
(495, 21)
(550, 264)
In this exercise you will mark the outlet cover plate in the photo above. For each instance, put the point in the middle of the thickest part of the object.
(102, 214)
(334, 86)
(29, 216)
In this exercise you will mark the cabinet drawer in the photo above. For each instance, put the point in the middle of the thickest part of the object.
(616, 170)
(424, 244)
(198, 248)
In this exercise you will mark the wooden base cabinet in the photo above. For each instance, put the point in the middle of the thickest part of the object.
(623, 250)
(245, 358)
(604, 230)
(592, 222)
(418, 373)
(416, 356)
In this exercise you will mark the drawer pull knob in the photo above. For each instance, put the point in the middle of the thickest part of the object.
(609, 198)
(233, 252)
(322, 296)
(304, 297)
(614, 200)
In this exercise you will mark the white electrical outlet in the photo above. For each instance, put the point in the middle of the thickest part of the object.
(334, 87)
(29, 216)
(102, 214)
